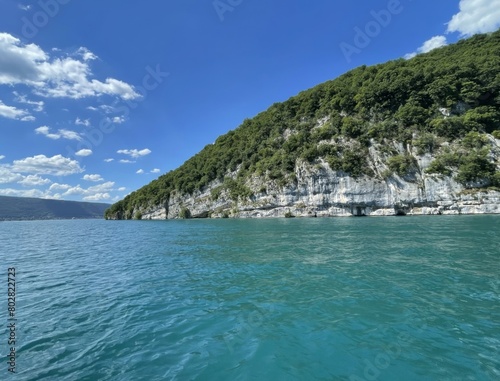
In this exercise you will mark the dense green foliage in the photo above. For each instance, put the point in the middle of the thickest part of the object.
(401, 164)
(426, 143)
(470, 159)
(402, 100)
(350, 160)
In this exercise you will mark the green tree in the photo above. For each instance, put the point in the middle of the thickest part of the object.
(476, 168)
(485, 118)
(412, 115)
(401, 164)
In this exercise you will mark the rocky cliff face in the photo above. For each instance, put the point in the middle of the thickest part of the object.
(321, 192)
(404, 137)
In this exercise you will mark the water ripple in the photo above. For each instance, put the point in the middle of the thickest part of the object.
(321, 299)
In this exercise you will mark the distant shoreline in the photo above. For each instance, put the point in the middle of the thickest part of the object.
(48, 219)
(38, 209)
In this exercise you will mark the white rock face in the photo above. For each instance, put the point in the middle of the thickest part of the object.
(322, 192)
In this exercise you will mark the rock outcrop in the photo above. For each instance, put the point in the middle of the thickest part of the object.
(318, 191)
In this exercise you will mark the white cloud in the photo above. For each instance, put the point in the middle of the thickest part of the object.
(40, 164)
(20, 63)
(84, 152)
(34, 180)
(142, 171)
(65, 134)
(70, 135)
(121, 189)
(98, 197)
(76, 190)
(109, 160)
(37, 106)
(86, 54)
(65, 77)
(57, 186)
(117, 120)
(134, 152)
(80, 122)
(107, 109)
(30, 180)
(23, 193)
(476, 16)
(434, 43)
(126, 161)
(45, 130)
(104, 108)
(24, 7)
(49, 196)
(104, 187)
(12, 112)
(97, 192)
(95, 178)
(2, 157)
(7, 176)
(431, 44)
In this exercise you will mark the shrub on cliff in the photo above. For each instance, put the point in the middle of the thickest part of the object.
(476, 168)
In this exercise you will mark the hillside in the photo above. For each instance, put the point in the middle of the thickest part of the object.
(23, 208)
(407, 136)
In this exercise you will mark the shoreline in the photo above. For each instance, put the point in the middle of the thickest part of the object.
(379, 213)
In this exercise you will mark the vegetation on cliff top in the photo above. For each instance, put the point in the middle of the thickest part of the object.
(446, 98)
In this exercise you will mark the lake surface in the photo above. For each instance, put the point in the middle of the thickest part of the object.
(398, 298)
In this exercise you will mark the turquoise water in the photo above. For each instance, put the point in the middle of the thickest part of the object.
(408, 298)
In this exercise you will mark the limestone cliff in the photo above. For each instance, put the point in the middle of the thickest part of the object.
(321, 192)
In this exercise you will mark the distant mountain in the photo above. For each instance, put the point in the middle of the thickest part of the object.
(418, 136)
(23, 208)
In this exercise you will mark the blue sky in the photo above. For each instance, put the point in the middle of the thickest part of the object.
(98, 98)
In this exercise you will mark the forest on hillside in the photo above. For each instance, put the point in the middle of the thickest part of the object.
(443, 102)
